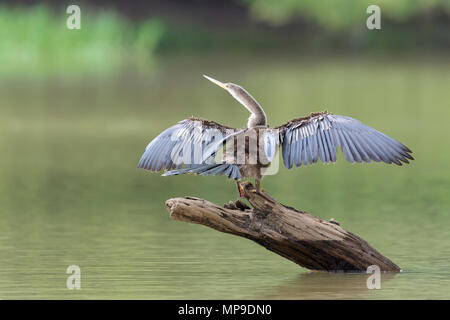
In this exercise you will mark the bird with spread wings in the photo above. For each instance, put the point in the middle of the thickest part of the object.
(193, 145)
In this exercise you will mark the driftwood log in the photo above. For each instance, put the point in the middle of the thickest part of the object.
(311, 242)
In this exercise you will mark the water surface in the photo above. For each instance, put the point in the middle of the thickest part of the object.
(70, 193)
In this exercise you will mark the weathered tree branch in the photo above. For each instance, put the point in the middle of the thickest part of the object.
(311, 242)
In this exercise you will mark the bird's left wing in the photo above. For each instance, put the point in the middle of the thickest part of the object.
(188, 143)
(305, 140)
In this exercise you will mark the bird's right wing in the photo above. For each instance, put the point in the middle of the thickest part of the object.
(305, 140)
(190, 142)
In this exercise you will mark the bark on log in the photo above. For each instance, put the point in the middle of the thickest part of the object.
(311, 242)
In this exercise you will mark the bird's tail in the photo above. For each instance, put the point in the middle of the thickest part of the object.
(216, 169)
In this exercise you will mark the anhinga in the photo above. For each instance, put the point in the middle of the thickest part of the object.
(191, 145)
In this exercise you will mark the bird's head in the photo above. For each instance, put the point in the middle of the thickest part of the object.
(258, 116)
(235, 90)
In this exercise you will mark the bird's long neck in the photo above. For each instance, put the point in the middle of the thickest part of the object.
(258, 116)
(257, 119)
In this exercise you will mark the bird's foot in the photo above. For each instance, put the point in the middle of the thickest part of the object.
(258, 190)
(257, 186)
(241, 190)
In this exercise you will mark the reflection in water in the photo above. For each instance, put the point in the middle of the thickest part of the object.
(327, 285)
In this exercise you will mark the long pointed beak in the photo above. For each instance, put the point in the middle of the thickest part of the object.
(220, 84)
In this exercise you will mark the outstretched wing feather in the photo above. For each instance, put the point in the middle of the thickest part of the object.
(191, 141)
(320, 134)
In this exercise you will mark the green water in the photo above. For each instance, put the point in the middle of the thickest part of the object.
(70, 193)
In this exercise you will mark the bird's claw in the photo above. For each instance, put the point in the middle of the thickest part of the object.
(241, 191)
(261, 191)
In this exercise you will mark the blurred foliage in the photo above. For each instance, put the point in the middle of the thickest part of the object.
(339, 14)
(35, 40)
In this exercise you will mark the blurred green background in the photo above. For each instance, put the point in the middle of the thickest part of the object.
(77, 108)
